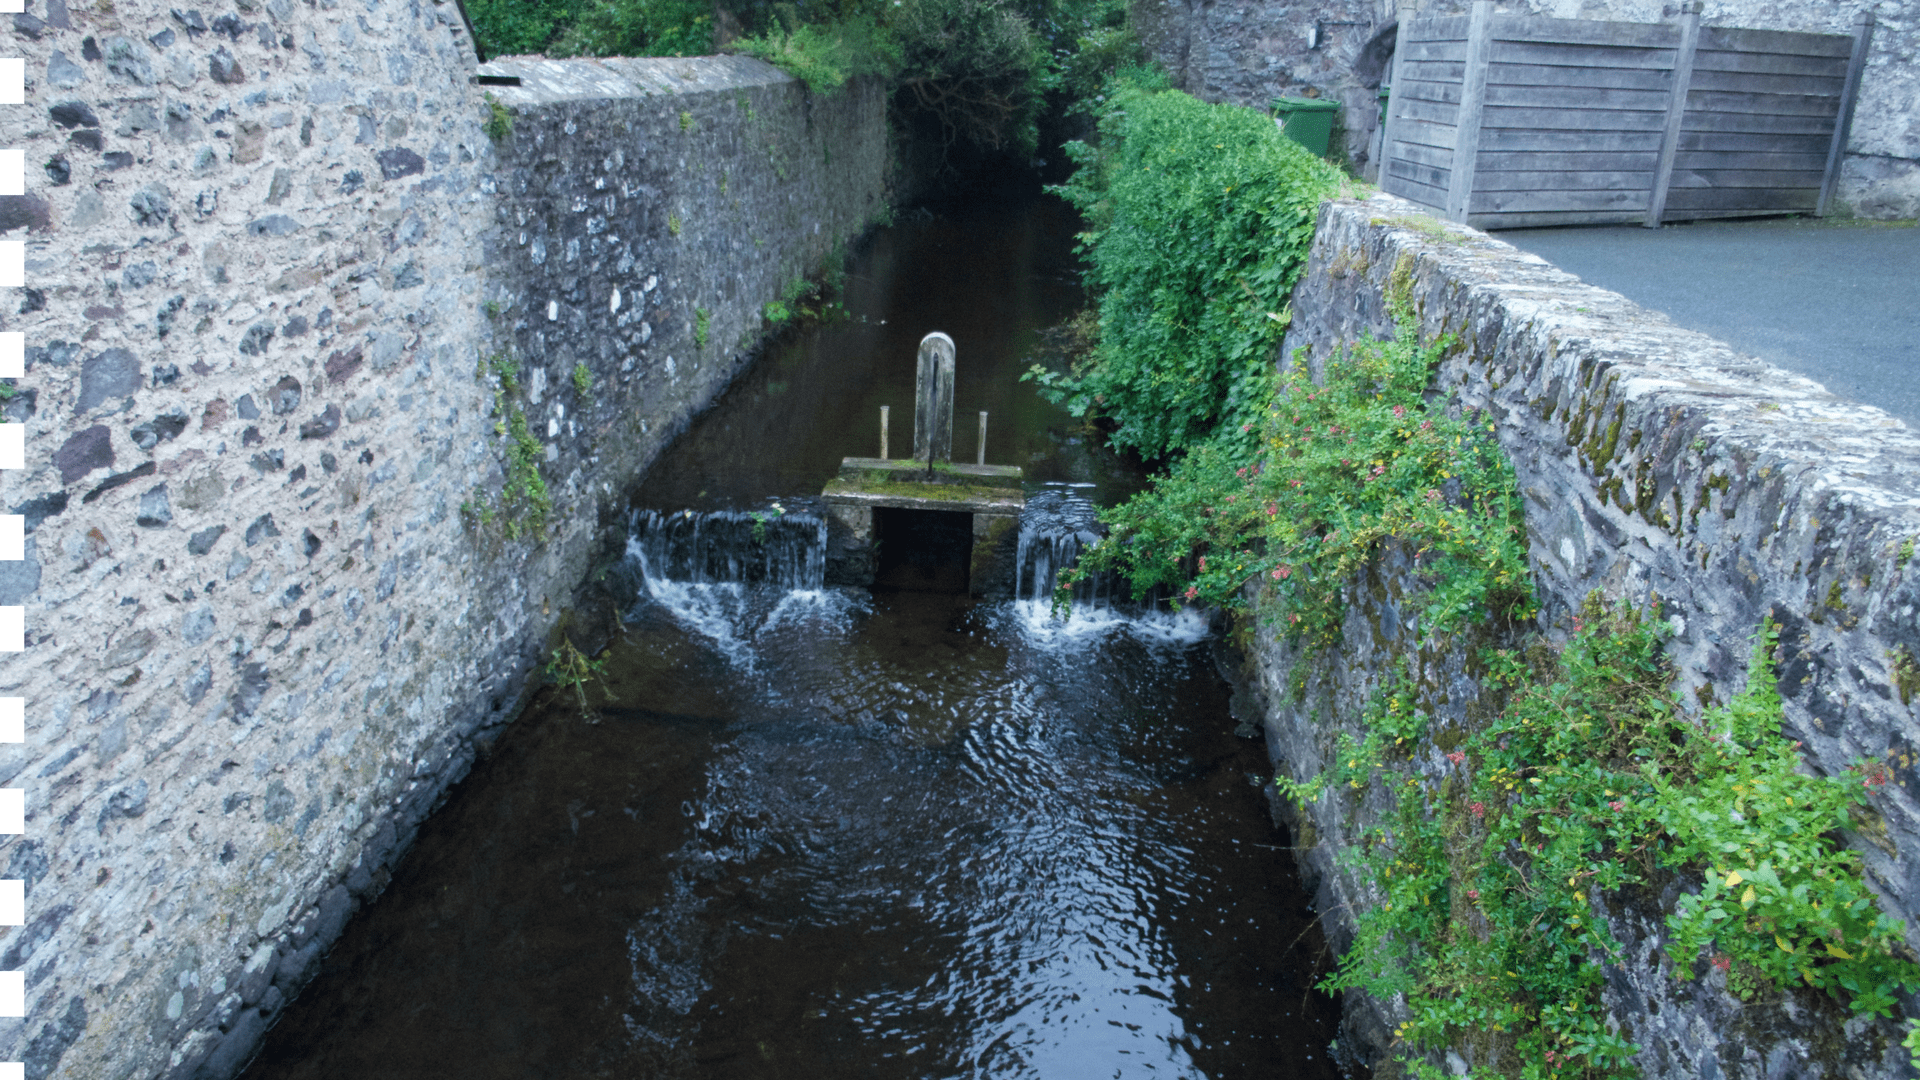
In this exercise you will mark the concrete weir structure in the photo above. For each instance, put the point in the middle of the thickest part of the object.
(295, 318)
(927, 494)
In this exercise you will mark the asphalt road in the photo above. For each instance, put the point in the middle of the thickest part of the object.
(1839, 303)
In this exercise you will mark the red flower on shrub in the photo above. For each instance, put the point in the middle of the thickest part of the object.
(1457, 757)
(1478, 809)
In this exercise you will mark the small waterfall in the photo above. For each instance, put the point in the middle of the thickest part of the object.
(1058, 524)
(731, 575)
(731, 547)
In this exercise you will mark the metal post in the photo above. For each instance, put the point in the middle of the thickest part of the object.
(983, 438)
(1843, 129)
(883, 433)
(1676, 111)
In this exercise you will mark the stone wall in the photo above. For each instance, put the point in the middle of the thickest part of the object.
(1249, 51)
(1652, 460)
(267, 247)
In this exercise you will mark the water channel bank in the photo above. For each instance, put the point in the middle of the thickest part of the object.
(332, 393)
(889, 833)
(1654, 462)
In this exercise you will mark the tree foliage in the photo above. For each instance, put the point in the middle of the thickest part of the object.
(983, 70)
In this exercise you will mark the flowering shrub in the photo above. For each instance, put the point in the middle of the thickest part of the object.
(1335, 470)
(1591, 780)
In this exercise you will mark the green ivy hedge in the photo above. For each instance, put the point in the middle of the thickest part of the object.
(1199, 218)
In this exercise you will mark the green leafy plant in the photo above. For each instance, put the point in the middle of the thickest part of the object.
(702, 321)
(825, 55)
(1323, 478)
(673, 223)
(582, 379)
(573, 669)
(1198, 222)
(760, 519)
(686, 120)
(1497, 880)
(515, 27)
(638, 28)
(499, 122)
(525, 501)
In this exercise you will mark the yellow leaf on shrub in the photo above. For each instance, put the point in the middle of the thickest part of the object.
(1734, 879)
(1747, 898)
(1782, 942)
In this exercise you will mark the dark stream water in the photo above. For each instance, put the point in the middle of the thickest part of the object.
(823, 834)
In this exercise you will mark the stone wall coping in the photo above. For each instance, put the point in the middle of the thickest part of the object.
(1842, 445)
(544, 81)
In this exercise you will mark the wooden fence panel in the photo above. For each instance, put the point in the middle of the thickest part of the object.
(1440, 157)
(1429, 175)
(1753, 82)
(1499, 202)
(1411, 132)
(1569, 76)
(1775, 64)
(1578, 97)
(1533, 140)
(1548, 54)
(1437, 93)
(1440, 28)
(1826, 107)
(1512, 121)
(1699, 160)
(1564, 180)
(1588, 32)
(1509, 116)
(1750, 200)
(1735, 39)
(1577, 161)
(1439, 51)
(1748, 178)
(1440, 71)
(1493, 222)
(1712, 141)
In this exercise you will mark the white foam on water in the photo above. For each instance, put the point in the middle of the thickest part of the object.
(716, 611)
(1090, 624)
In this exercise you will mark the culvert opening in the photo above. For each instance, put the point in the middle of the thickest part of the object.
(922, 550)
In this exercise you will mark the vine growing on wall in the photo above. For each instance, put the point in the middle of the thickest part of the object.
(1496, 878)
(523, 505)
(1317, 484)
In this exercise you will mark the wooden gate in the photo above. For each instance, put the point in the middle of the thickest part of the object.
(1506, 121)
